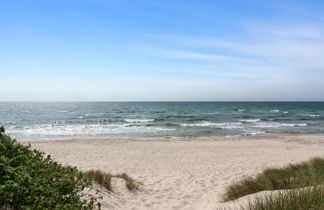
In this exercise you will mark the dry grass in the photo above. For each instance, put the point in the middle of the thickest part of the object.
(130, 182)
(302, 186)
(310, 173)
(104, 179)
(311, 198)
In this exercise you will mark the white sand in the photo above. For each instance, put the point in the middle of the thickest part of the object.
(181, 173)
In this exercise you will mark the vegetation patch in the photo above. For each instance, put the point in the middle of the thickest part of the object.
(301, 187)
(104, 179)
(31, 180)
(311, 198)
(293, 176)
(130, 182)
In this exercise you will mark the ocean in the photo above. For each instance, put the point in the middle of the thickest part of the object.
(57, 120)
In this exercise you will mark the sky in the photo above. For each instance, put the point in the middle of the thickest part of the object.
(161, 50)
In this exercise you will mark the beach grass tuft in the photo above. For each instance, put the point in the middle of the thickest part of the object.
(104, 179)
(299, 186)
(293, 176)
(311, 198)
(130, 182)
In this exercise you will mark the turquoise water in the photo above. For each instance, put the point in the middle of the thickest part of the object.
(159, 119)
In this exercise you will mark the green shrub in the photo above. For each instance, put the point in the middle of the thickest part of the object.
(29, 180)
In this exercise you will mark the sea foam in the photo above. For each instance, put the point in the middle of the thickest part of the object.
(55, 130)
(216, 125)
(138, 120)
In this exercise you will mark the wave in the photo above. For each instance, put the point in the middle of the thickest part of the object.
(8, 123)
(275, 110)
(89, 120)
(179, 116)
(250, 120)
(62, 111)
(196, 120)
(239, 125)
(211, 113)
(253, 133)
(315, 115)
(285, 119)
(168, 125)
(94, 114)
(25, 111)
(49, 130)
(216, 125)
(138, 120)
(278, 125)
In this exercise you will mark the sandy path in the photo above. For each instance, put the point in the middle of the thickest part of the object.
(181, 173)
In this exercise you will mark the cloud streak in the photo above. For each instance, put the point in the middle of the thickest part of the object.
(268, 47)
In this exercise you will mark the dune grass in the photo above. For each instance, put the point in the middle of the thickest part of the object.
(311, 198)
(293, 176)
(104, 179)
(130, 182)
(301, 187)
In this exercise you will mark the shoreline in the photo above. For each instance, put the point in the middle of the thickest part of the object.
(181, 173)
(272, 136)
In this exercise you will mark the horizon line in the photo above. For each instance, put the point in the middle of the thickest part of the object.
(165, 101)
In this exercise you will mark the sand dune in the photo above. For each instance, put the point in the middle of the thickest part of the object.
(180, 173)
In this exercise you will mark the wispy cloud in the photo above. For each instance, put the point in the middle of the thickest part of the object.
(199, 56)
(275, 47)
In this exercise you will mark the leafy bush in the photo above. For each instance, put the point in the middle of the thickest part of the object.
(29, 180)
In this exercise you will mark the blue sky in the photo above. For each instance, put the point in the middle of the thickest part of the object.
(116, 50)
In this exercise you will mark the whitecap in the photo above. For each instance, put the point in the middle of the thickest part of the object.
(253, 133)
(278, 125)
(250, 120)
(211, 124)
(275, 110)
(138, 120)
(55, 130)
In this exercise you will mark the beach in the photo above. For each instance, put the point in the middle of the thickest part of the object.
(183, 172)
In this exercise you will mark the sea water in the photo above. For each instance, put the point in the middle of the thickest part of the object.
(158, 119)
